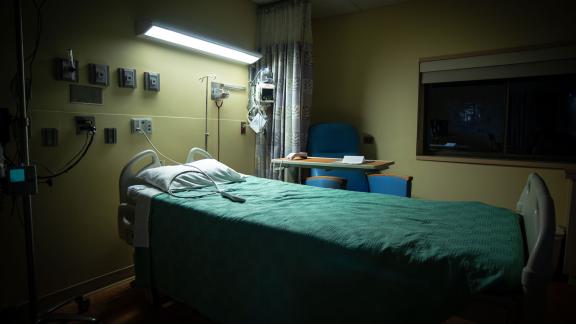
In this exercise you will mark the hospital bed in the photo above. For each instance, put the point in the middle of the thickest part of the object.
(300, 254)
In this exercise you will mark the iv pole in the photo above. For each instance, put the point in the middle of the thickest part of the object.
(27, 197)
(34, 315)
(206, 134)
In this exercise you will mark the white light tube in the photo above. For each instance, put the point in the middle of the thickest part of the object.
(200, 45)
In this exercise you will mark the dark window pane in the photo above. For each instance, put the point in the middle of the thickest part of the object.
(542, 124)
(466, 117)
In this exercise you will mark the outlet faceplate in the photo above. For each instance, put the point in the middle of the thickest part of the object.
(151, 81)
(98, 74)
(65, 71)
(84, 123)
(126, 78)
(144, 124)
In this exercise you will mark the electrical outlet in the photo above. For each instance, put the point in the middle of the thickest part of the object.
(98, 74)
(144, 124)
(368, 139)
(126, 78)
(65, 71)
(84, 124)
(151, 81)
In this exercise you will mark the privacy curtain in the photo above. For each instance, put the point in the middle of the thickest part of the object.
(284, 37)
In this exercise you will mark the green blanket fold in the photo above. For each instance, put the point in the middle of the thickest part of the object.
(300, 254)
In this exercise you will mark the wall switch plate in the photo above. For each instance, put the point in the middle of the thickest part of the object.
(144, 124)
(126, 78)
(151, 81)
(49, 137)
(98, 74)
(84, 123)
(110, 136)
(65, 71)
(242, 128)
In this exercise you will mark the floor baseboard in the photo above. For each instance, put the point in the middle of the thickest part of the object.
(83, 288)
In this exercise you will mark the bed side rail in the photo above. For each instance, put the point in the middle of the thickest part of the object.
(128, 174)
(196, 150)
(537, 209)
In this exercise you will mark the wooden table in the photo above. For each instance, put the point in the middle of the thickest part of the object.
(329, 164)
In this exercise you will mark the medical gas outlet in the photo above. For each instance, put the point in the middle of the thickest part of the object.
(143, 124)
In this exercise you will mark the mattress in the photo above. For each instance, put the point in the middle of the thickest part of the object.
(300, 254)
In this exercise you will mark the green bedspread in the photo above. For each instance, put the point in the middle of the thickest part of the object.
(300, 254)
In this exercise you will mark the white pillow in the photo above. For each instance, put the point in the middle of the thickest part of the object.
(177, 177)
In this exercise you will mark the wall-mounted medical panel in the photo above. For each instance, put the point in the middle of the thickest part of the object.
(152, 81)
(98, 74)
(126, 78)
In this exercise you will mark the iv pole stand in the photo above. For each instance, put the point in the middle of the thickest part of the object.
(34, 316)
(27, 198)
(206, 134)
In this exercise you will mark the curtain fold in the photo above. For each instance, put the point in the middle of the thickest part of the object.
(284, 38)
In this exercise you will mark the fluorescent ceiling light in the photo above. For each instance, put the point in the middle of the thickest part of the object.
(200, 44)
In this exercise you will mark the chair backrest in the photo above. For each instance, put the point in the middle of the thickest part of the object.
(333, 140)
(391, 184)
(326, 182)
(537, 210)
(336, 140)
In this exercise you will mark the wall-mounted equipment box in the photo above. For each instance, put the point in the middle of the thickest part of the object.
(126, 78)
(98, 74)
(65, 70)
(143, 124)
(151, 81)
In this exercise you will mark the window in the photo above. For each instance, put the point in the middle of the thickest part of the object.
(499, 112)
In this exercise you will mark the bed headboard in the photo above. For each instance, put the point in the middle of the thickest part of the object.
(128, 174)
(537, 210)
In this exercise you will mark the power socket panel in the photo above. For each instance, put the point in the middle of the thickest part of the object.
(98, 74)
(152, 81)
(144, 124)
(84, 124)
(126, 78)
(65, 71)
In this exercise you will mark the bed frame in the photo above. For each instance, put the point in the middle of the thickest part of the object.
(144, 160)
(535, 207)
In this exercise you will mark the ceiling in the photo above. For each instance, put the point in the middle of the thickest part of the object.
(326, 8)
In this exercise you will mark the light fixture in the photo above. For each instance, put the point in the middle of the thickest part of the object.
(170, 35)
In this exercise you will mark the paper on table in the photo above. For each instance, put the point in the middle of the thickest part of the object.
(353, 159)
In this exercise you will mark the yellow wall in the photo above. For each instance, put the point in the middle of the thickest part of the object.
(76, 218)
(366, 72)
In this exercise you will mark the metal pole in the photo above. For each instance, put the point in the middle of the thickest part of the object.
(206, 119)
(25, 151)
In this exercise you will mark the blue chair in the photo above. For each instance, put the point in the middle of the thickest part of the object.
(391, 184)
(326, 182)
(336, 140)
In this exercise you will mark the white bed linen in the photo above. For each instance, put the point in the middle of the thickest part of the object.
(141, 196)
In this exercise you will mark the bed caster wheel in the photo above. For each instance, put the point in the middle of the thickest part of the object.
(83, 304)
